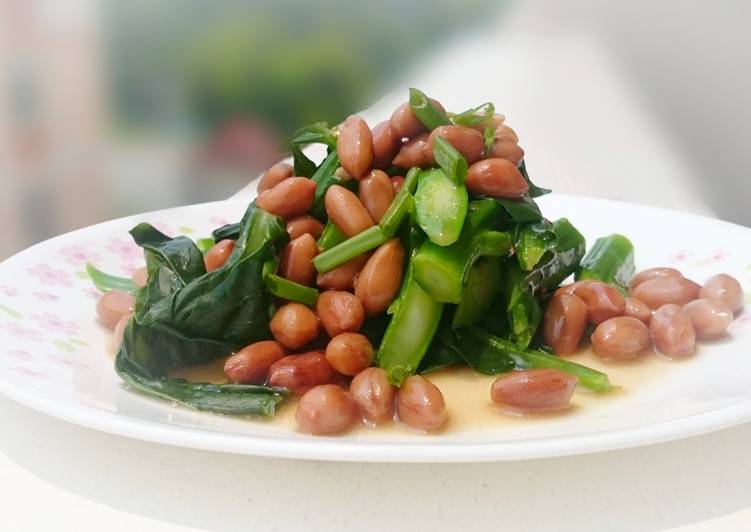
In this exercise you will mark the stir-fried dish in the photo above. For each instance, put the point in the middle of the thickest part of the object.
(413, 246)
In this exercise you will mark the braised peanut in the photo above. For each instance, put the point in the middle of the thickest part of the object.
(380, 279)
(325, 409)
(355, 146)
(299, 373)
(119, 334)
(724, 289)
(113, 306)
(374, 395)
(420, 404)
(505, 132)
(295, 263)
(534, 390)
(376, 194)
(349, 353)
(405, 124)
(301, 225)
(662, 291)
(412, 153)
(275, 175)
(343, 277)
(346, 211)
(251, 364)
(672, 331)
(339, 312)
(709, 317)
(466, 141)
(570, 288)
(140, 277)
(603, 301)
(636, 308)
(507, 149)
(218, 254)
(654, 273)
(294, 325)
(564, 323)
(621, 338)
(499, 178)
(397, 182)
(292, 197)
(385, 145)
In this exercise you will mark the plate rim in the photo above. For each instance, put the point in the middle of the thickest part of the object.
(339, 450)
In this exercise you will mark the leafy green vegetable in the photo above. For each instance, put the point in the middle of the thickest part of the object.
(441, 207)
(318, 133)
(442, 270)
(482, 114)
(522, 291)
(410, 332)
(226, 232)
(534, 190)
(185, 316)
(531, 243)
(611, 259)
(401, 204)
(105, 282)
(441, 353)
(349, 249)
(450, 160)
(430, 115)
(286, 289)
(503, 350)
(330, 237)
(324, 177)
(480, 291)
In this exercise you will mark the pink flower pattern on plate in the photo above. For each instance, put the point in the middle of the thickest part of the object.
(21, 331)
(28, 372)
(9, 291)
(45, 296)
(66, 362)
(54, 323)
(124, 248)
(19, 354)
(78, 255)
(51, 276)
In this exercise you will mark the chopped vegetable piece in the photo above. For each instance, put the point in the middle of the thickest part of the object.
(450, 160)
(430, 115)
(480, 291)
(442, 270)
(441, 207)
(401, 204)
(318, 133)
(533, 358)
(291, 291)
(410, 331)
(349, 249)
(332, 236)
(532, 242)
(611, 259)
(324, 177)
(105, 282)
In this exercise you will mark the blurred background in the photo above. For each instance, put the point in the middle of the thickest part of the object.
(110, 108)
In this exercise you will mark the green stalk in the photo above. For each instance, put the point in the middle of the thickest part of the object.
(286, 289)
(450, 160)
(410, 332)
(330, 237)
(611, 259)
(441, 207)
(532, 358)
(430, 115)
(350, 248)
(401, 204)
(105, 282)
(480, 291)
(442, 270)
(324, 177)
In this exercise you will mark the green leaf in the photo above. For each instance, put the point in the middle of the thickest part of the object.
(105, 282)
(318, 133)
(611, 260)
(532, 242)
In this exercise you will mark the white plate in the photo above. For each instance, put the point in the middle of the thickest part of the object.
(54, 357)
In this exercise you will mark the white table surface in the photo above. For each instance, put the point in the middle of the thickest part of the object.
(563, 98)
